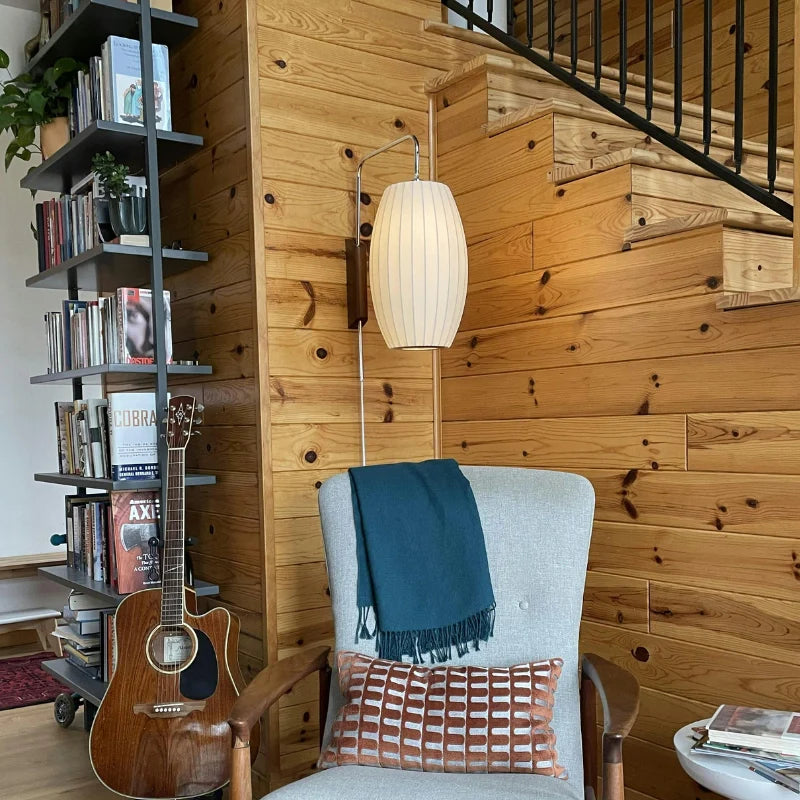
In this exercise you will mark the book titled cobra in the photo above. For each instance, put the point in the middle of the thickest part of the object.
(133, 429)
(134, 534)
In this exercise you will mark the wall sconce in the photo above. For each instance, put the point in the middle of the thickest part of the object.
(417, 266)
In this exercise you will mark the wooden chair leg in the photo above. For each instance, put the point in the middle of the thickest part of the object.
(53, 639)
(589, 734)
(42, 631)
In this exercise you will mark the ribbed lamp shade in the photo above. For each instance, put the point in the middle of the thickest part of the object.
(418, 265)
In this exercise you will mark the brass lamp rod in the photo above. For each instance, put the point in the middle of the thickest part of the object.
(367, 157)
(389, 146)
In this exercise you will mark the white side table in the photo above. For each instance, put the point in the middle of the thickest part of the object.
(726, 776)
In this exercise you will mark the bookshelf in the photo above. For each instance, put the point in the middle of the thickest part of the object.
(106, 267)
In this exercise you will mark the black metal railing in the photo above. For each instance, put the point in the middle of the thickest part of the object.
(590, 82)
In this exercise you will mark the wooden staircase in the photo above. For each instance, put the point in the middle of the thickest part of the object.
(543, 151)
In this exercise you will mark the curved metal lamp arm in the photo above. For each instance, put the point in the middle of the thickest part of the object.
(367, 157)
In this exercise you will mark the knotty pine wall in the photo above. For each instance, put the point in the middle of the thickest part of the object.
(206, 205)
(756, 60)
(575, 355)
(335, 80)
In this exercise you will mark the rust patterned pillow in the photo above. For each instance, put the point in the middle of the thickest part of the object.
(445, 719)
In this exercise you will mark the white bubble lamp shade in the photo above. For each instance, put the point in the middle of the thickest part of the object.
(418, 266)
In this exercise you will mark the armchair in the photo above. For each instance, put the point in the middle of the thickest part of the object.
(537, 526)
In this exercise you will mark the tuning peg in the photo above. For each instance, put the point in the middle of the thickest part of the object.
(165, 420)
(196, 433)
(199, 408)
(198, 421)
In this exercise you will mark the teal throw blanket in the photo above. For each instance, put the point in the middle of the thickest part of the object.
(422, 566)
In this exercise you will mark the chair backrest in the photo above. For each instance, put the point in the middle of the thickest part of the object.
(537, 525)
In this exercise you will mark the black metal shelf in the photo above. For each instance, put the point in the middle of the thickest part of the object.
(88, 688)
(107, 485)
(82, 34)
(72, 163)
(80, 582)
(118, 372)
(108, 266)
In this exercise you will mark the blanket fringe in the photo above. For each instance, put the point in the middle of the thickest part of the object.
(438, 643)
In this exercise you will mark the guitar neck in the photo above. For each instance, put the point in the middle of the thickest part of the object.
(172, 571)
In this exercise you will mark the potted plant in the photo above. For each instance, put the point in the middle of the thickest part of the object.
(127, 209)
(27, 103)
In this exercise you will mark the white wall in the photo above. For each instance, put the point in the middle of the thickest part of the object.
(31, 511)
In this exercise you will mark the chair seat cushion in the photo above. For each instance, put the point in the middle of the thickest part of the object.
(373, 783)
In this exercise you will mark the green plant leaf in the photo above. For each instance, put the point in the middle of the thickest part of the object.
(11, 151)
(4, 60)
(37, 101)
(25, 155)
(12, 89)
(26, 136)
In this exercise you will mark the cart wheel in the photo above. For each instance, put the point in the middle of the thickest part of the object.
(64, 709)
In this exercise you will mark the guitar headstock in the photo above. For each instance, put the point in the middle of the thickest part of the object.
(183, 413)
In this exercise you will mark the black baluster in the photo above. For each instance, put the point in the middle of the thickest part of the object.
(677, 44)
(738, 87)
(707, 34)
(623, 50)
(511, 17)
(529, 21)
(573, 35)
(598, 42)
(772, 112)
(471, 7)
(551, 27)
(648, 58)
(490, 9)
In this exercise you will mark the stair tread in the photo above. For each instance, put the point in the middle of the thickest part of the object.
(510, 63)
(586, 67)
(651, 158)
(747, 220)
(553, 106)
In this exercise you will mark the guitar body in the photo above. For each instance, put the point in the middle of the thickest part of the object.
(161, 730)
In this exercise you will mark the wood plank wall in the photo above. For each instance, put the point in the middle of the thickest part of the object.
(206, 205)
(336, 80)
(617, 365)
(724, 30)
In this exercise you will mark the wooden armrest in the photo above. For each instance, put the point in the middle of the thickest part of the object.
(618, 691)
(264, 690)
(269, 685)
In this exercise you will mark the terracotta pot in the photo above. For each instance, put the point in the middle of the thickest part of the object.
(53, 136)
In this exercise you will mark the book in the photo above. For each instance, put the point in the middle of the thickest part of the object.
(122, 79)
(133, 239)
(135, 328)
(83, 657)
(135, 524)
(78, 601)
(133, 436)
(777, 731)
(71, 633)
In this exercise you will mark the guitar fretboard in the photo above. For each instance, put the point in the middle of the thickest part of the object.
(172, 570)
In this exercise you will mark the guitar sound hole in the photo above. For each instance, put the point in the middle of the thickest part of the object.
(172, 648)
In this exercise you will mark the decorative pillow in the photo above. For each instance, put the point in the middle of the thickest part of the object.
(445, 719)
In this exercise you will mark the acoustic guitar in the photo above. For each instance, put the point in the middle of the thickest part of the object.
(161, 730)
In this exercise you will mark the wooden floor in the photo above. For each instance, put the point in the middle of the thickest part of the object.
(39, 759)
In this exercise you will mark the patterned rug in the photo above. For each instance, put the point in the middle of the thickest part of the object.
(24, 683)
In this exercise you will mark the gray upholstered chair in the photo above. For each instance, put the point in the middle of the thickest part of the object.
(537, 525)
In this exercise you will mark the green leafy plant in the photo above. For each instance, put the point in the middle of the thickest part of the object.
(27, 102)
(112, 176)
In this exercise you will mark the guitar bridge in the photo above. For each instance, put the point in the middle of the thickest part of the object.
(169, 710)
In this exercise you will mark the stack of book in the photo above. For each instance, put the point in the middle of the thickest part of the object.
(111, 88)
(111, 539)
(73, 223)
(84, 634)
(112, 330)
(114, 437)
(767, 741)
